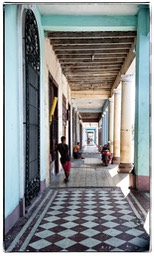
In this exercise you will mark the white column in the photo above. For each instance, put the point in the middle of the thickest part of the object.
(111, 123)
(126, 125)
(103, 134)
(117, 120)
(78, 126)
(107, 124)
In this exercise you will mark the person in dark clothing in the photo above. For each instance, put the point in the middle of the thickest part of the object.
(65, 158)
(77, 153)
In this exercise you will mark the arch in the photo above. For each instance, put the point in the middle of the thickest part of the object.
(32, 93)
(29, 73)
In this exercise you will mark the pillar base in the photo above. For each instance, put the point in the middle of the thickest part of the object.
(116, 160)
(143, 183)
(125, 167)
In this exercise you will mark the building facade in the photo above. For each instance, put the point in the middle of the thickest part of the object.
(33, 80)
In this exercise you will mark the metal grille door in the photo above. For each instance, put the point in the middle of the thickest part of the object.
(54, 139)
(32, 68)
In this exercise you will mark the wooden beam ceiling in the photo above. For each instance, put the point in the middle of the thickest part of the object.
(89, 58)
(93, 61)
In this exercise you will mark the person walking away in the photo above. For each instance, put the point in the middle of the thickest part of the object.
(77, 153)
(65, 158)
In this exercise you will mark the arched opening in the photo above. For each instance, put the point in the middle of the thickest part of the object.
(32, 107)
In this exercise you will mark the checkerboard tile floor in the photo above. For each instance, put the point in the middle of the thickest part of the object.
(87, 220)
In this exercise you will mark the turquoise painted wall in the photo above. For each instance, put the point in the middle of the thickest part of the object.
(13, 110)
(88, 23)
(142, 108)
(12, 172)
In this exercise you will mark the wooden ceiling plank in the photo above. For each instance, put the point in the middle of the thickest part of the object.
(88, 88)
(106, 34)
(95, 78)
(90, 65)
(90, 51)
(94, 47)
(96, 89)
(90, 76)
(118, 60)
(73, 79)
(106, 83)
(92, 41)
(89, 57)
(90, 73)
(89, 84)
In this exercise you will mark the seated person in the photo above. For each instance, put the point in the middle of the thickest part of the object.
(77, 153)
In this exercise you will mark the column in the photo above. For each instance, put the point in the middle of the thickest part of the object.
(142, 102)
(103, 129)
(126, 125)
(117, 119)
(107, 125)
(77, 127)
(111, 123)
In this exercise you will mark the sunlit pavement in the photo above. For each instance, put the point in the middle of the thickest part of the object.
(94, 211)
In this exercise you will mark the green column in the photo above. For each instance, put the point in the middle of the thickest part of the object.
(142, 107)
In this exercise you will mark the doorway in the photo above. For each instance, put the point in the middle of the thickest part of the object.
(53, 126)
(32, 108)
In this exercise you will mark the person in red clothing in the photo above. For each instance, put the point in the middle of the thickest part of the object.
(77, 153)
(65, 158)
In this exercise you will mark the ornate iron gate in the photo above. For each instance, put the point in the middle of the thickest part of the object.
(32, 69)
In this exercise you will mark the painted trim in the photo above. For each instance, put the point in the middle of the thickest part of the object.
(42, 186)
(143, 183)
(19, 211)
(11, 219)
(88, 23)
(21, 65)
